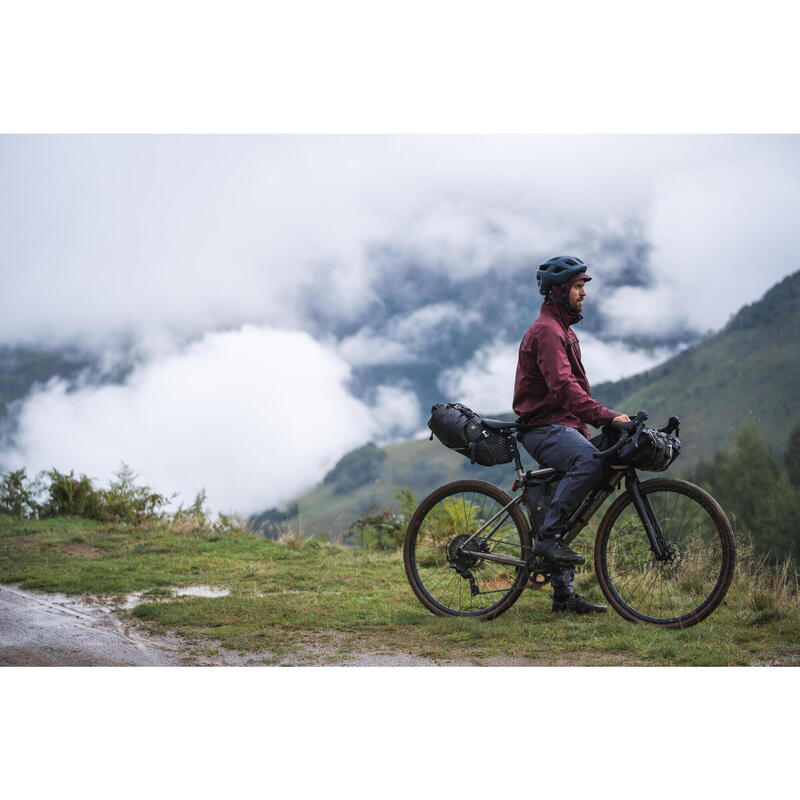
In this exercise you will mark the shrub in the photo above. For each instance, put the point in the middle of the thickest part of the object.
(124, 501)
(384, 528)
(65, 495)
(18, 494)
(71, 496)
(197, 512)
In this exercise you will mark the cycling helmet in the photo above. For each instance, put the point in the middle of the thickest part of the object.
(558, 271)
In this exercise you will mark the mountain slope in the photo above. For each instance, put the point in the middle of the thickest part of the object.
(419, 465)
(750, 370)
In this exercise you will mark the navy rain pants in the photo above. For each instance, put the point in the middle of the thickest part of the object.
(569, 451)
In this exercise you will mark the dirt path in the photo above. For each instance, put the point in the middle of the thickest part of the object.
(39, 630)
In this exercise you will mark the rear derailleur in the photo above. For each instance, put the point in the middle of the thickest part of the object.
(461, 561)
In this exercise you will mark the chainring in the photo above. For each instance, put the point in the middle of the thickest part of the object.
(540, 571)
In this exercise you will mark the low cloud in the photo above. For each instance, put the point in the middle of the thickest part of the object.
(612, 360)
(423, 323)
(486, 383)
(723, 233)
(106, 234)
(396, 412)
(368, 348)
(654, 310)
(254, 416)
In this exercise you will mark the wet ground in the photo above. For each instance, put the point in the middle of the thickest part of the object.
(39, 629)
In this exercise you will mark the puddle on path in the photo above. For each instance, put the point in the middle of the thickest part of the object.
(134, 599)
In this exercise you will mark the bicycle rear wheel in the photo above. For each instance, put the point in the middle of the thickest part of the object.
(690, 580)
(450, 582)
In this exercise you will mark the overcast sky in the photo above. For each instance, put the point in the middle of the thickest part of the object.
(208, 252)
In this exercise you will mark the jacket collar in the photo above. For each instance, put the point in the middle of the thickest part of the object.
(565, 315)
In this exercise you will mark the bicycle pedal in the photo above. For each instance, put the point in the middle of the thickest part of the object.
(540, 564)
(540, 571)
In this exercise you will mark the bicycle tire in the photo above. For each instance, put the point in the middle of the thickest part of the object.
(678, 591)
(453, 511)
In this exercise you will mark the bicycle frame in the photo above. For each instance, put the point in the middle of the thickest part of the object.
(578, 521)
(653, 564)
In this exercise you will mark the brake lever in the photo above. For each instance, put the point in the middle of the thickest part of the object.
(637, 432)
(672, 426)
(632, 428)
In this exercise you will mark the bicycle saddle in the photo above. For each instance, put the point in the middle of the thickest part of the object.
(499, 424)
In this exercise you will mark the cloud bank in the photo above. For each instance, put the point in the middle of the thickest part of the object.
(251, 415)
(193, 233)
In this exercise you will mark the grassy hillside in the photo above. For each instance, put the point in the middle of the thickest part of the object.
(750, 370)
(420, 465)
(299, 598)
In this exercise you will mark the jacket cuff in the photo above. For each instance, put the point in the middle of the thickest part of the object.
(607, 417)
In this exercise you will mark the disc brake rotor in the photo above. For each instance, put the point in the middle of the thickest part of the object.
(670, 564)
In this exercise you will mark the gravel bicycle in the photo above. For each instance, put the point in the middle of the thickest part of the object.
(664, 551)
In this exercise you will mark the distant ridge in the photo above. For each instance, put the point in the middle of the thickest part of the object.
(749, 370)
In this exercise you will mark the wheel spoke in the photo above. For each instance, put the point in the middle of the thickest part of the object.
(694, 572)
(443, 568)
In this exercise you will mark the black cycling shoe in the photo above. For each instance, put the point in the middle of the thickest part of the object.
(555, 549)
(578, 605)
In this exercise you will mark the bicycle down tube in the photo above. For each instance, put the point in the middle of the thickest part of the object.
(582, 516)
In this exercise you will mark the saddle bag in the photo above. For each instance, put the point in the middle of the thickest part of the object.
(461, 429)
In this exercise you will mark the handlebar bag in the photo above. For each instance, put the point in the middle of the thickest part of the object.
(461, 429)
(654, 451)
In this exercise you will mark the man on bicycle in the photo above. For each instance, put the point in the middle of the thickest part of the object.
(553, 400)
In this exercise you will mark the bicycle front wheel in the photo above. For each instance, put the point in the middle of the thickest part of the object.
(691, 577)
(445, 536)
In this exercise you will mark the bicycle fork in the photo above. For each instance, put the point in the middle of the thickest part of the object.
(658, 544)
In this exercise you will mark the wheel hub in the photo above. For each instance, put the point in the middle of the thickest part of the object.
(670, 563)
(457, 556)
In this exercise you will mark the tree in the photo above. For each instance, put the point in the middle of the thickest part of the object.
(791, 457)
(754, 488)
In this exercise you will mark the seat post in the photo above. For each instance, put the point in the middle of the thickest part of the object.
(517, 459)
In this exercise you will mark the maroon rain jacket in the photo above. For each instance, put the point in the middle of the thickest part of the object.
(551, 385)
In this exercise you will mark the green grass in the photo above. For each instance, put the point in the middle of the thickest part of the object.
(287, 597)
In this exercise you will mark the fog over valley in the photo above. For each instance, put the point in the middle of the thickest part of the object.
(235, 313)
